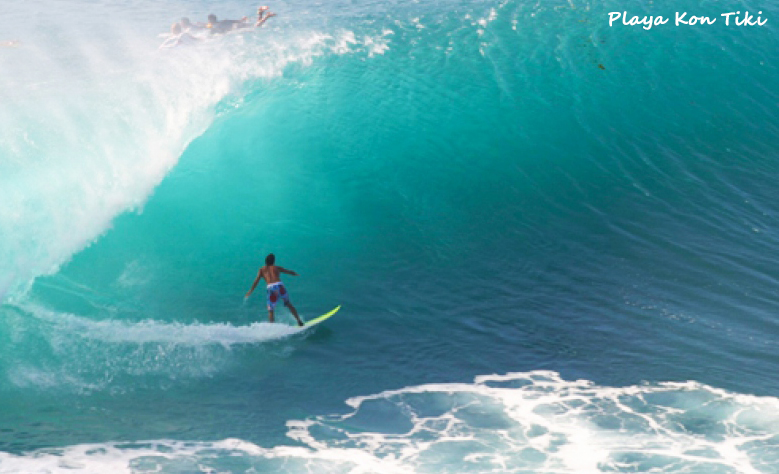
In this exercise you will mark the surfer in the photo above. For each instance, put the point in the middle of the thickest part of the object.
(188, 27)
(218, 27)
(226, 26)
(276, 289)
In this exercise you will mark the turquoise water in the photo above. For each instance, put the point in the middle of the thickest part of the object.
(554, 240)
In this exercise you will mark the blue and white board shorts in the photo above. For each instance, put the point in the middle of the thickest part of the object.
(276, 290)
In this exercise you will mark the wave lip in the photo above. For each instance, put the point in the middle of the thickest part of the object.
(95, 117)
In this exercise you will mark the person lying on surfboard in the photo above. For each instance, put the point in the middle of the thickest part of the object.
(276, 289)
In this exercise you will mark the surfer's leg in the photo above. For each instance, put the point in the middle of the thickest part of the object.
(285, 296)
(273, 297)
(294, 312)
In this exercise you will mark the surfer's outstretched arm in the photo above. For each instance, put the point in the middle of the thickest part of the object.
(288, 272)
(254, 285)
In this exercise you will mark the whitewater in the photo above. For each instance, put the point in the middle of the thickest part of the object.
(554, 238)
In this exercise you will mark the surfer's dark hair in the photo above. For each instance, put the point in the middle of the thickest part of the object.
(270, 259)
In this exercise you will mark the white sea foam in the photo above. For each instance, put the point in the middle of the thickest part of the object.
(520, 422)
(149, 331)
(83, 355)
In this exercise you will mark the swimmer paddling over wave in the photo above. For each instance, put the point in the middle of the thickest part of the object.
(225, 26)
(186, 32)
(276, 289)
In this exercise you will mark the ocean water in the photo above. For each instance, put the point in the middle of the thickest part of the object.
(555, 241)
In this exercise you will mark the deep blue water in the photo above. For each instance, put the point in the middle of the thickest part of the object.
(554, 240)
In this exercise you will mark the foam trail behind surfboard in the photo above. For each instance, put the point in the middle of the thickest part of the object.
(150, 331)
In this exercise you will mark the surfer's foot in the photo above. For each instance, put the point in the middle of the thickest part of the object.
(300, 324)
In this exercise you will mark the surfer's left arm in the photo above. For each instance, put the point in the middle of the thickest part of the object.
(288, 272)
